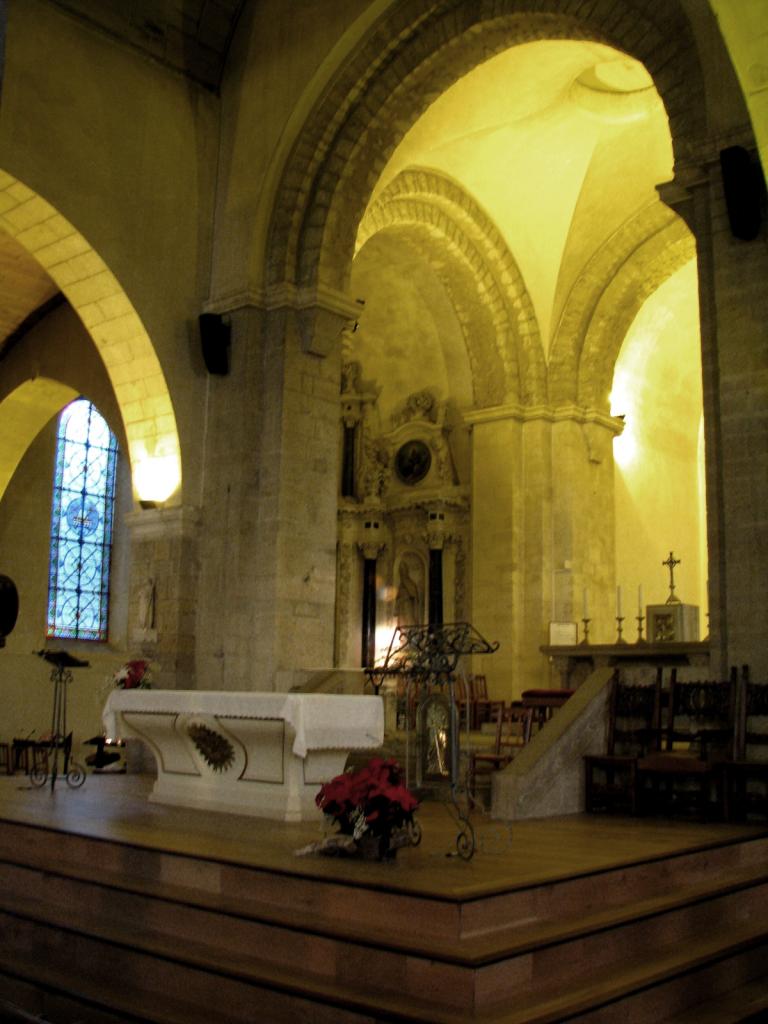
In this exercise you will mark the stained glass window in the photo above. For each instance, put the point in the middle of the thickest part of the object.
(81, 524)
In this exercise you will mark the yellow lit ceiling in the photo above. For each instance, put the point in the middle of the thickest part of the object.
(560, 143)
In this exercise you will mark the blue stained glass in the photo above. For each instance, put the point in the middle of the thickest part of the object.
(81, 524)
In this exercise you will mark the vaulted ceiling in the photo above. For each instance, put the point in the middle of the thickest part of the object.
(189, 37)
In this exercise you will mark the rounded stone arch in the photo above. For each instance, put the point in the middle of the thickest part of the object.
(640, 276)
(424, 232)
(510, 365)
(23, 414)
(413, 54)
(108, 316)
(654, 221)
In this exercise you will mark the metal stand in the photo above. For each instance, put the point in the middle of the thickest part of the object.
(61, 676)
(427, 657)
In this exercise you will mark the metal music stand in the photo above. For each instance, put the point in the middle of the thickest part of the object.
(427, 656)
(62, 663)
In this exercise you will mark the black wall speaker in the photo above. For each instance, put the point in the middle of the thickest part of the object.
(744, 188)
(9, 607)
(214, 340)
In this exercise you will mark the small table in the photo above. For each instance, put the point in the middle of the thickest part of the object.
(544, 702)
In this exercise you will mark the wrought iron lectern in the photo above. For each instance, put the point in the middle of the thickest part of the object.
(426, 657)
(61, 675)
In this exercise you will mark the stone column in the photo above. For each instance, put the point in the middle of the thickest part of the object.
(163, 592)
(270, 494)
(733, 304)
(497, 569)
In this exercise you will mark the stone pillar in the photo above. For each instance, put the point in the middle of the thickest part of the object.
(163, 592)
(497, 571)
(270, 495)
(733, 303)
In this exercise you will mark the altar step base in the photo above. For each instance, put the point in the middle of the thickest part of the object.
(101, 927)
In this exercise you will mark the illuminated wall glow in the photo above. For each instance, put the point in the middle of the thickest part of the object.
(155, 478)
(658, 479)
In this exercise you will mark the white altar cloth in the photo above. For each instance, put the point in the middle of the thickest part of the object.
(256, 753)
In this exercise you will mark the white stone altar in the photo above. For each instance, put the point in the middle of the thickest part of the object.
(264, 754)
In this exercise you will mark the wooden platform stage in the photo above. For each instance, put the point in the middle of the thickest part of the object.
(114, 808)
(114, 910)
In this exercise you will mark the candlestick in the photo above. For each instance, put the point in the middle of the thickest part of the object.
(585, 604)
(586, 623)
(618, 601)
(619, 638)
(640, 637)
(640, 599)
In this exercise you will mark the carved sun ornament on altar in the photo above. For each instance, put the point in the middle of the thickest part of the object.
(215, 749)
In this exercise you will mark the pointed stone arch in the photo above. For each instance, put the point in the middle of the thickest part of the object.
(110, 319)
(414, 53)
(509, 365)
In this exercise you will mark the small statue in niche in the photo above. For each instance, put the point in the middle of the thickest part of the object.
(145, 615)
(409, 603)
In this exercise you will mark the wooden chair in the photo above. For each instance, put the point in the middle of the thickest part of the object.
(745, 778)
(633, 732)
(685, 776)
(463, 697)
(513, 730)
(483, 709)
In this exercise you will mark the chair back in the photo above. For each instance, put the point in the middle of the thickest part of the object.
(513, 728)
(702, 714)
(752, 730)
(634, 717)
(478, 687)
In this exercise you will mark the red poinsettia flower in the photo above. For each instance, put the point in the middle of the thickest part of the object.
(376, 792)
(133, 674)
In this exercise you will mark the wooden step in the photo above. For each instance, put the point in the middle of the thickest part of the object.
(104, 893)
(196, 986)
(747, 1004)
(470, 976)
(381, 900)
(142, 915)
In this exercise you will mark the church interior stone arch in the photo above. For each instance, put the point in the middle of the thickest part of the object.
(494, 346)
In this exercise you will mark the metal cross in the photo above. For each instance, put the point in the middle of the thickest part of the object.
(671, 562)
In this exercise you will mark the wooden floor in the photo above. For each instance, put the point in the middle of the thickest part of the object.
(508, 856)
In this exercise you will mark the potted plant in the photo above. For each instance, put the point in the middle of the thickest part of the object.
(133, 675)
(374, 807)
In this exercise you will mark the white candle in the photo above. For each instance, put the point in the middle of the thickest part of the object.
(618, 602)
(585, 603)
(640, 600)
